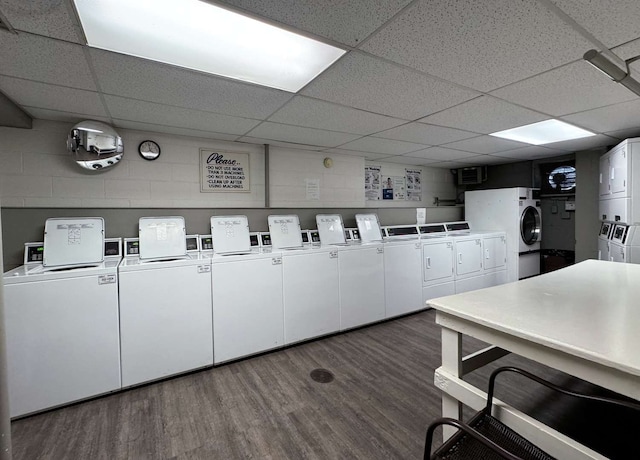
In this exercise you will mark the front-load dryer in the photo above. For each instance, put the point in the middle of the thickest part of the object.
(517, 212)
(530, 234)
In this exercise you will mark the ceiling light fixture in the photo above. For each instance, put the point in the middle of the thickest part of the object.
(198, 35)
(544, 132)
(611, 70)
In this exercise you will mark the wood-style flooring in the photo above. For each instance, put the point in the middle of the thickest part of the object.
(268, 407)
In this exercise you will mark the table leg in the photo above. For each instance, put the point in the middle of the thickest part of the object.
(452, 362)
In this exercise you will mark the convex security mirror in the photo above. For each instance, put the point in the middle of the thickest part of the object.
(95, 145)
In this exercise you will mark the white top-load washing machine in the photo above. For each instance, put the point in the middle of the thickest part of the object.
(61, 317)
(165, 304)
(360, 273)
(402, 269)
(625, 244)
(517, 212)
(310, 281)
(248, 315)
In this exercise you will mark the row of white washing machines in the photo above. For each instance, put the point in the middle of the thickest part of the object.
(87, 315)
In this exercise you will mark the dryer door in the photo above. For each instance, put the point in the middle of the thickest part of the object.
(530, 225)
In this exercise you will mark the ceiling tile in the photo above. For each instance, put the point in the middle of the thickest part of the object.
(304, 111)
(44, 17)
(453, 164)
(607, 20)
(345, 22)
(615, 117)
(586, 143)
(440, 154)
(151, 81)
(485, 115)
(482, 45)
(378, 145)
(41, 59)
(628, 51)
(572, 88)
(422, 133)
(624, 133)
(405, 160)
(485, 145)
(530, 153)
(259, 141)
(157, 114)
(370, 84)
(367, 155)
(492, 160)
(138, 126)
(300, 135)
(67, 117)
(51, 97)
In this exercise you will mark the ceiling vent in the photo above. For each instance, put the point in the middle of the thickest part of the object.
(469, 176)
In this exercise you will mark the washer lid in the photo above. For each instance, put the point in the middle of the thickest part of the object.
(230, 234)
(285, 231)
(368, 228)
(330, 228)
(162, 237)
(73, 242)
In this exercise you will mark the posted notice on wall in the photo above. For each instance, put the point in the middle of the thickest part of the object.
(372, 188)
(222, 171)
(394, 188)
(414, 186)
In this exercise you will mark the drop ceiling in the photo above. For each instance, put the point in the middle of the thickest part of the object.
(422, 82)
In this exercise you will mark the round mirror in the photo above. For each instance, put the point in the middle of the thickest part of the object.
(95, 145)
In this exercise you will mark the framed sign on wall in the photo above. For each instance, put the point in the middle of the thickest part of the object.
(222, 171)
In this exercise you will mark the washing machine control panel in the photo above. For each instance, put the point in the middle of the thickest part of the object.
(131, 247)
(33, 252)
(206, 243)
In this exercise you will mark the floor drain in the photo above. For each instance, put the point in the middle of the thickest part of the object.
(321, 375)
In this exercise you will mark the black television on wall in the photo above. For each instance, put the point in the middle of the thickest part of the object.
(558, 178)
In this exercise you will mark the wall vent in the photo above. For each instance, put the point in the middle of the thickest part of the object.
(469, 176)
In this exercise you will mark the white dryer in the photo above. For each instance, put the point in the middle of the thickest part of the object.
(517, 212)
(62, 328)
(165, 304)
(530, 233)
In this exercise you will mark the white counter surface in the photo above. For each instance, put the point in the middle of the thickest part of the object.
(590, 310)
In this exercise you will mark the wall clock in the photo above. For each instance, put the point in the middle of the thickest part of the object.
(149, 150)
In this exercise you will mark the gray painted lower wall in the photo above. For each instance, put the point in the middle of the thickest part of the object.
(22, 225)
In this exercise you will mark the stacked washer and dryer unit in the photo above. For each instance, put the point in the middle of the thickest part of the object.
(517, 212)
(619, 236)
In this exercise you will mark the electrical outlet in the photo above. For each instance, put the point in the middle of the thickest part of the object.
(569, 205)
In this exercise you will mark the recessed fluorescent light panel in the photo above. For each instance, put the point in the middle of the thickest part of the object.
(544, 132)
(201, 36)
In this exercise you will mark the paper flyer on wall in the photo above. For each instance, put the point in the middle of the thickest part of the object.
(372, 188)
(414, 184)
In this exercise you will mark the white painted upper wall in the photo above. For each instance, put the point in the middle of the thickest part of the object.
(37, 171)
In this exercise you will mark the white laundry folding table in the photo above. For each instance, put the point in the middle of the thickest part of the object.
(583, 320)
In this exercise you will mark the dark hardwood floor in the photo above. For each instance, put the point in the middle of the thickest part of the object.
(268, 407)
